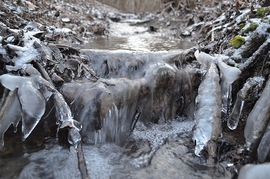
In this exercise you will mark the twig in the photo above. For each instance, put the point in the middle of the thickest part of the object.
(81, 162)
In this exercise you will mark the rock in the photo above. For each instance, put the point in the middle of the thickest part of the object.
(250, 171)
(258, 119)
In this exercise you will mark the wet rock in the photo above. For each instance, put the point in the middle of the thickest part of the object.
(258, 119)
(251, 171)
(264, 147)
(39, 165)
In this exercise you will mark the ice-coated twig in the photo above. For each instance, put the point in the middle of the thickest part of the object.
(63, 113)
(204, 59)
(208, 115)
(65, 119)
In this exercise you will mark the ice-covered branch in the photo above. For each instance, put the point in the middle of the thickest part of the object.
(208, 115)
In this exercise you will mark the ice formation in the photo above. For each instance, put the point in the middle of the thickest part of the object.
(65, 119)
(157, 135)
(32, 110)
(204, 59)
(258, 119)
(242, 94)
(229, 75)
(32, 94)
(25, 54)
(208, 114)
(10, 114)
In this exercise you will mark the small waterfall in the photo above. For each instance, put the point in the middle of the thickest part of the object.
(156, 91)
(116, 127)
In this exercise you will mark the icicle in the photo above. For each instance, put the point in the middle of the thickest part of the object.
(233, 120)
(242, 94)
(208, 115)
(10, 114)
(258, 119)
(229, 75)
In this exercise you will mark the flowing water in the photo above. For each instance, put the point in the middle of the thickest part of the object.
(124, 36)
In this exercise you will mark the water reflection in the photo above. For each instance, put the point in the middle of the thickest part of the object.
(139, 42)
(128, 36)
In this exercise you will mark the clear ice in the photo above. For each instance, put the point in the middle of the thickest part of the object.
(235, 115)
(32, 110)
(32, 94)
(208, 114)
(204, 59)
(65, 119)
(10, 114)
(229, 75)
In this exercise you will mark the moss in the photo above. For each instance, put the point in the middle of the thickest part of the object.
(242, 25)
(253, 26)
(237, 41)
(262, 11)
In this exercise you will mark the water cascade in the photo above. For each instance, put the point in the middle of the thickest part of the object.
(148, 87)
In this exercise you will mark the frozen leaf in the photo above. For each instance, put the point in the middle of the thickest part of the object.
(237, 41)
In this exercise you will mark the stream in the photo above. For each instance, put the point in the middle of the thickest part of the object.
(126, 35)
(87, 91)
(152, 151)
